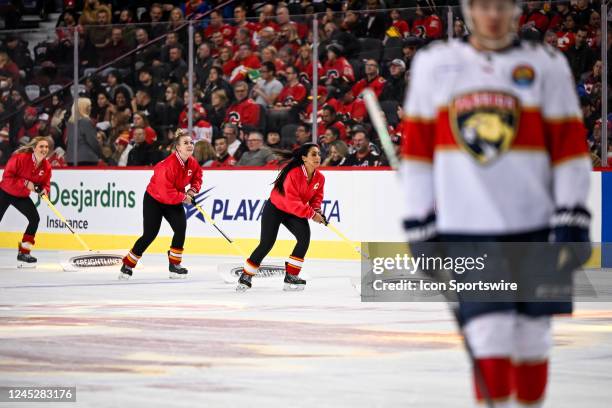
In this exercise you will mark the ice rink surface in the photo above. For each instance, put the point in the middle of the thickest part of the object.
(155, 342)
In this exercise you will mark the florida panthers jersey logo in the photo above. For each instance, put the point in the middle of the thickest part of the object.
(484, 123)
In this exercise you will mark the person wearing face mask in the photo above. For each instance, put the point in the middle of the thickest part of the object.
(26, 171)
(295, 198)
(164, 198)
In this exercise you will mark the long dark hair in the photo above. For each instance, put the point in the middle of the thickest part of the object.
(292, 159)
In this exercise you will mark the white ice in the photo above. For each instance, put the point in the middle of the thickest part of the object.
(153, 342)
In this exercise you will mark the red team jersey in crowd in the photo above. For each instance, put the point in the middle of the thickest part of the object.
(427, 27)
(22, 168)
(538, 18)
(565, 40)
(291, 94)
(510, 121)
(322, 127)
(227, 30)
(402, 27)
(228, 161)
(339, 68)
(355, 110)
(171, 176)
(376, 85)
(306, 69)
(301, 198)
(243, 113)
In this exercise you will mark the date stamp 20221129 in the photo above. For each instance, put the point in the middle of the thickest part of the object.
(37, 394)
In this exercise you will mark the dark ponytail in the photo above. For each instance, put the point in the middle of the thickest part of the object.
(292, 159)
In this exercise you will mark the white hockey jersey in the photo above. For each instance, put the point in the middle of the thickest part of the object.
(493, 140)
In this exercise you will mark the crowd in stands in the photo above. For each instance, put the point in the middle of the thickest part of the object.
(252, 76)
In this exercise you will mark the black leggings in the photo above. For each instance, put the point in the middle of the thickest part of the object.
(271, 220)
(153, 211)
(25, 206)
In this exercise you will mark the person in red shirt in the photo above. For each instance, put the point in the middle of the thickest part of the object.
(240, 19)
(329, 119)
(27, 170)
(402, 27)
(291, 100)
(295, 198)
(303, 63)
(202, 129)
(267, 18)
(427, 24)
(352, 110)
(534, 16)
(224, 158)
(293, 93)
(337, 67)
(245, 111)
(372, 80)
(164, 198)
(218, 26)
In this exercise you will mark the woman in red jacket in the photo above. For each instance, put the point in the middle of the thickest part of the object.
(164, 198)
(27, 170)
(295, 198)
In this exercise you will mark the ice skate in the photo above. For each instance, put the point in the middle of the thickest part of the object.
(177, 271)
(126, 272)
(244, 283)
(26, 261)
(293, 283)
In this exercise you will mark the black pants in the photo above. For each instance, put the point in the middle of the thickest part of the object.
(153, 211)
(25, 206)
(271, 220)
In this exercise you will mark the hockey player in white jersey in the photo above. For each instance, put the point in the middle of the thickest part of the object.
(494, 147)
